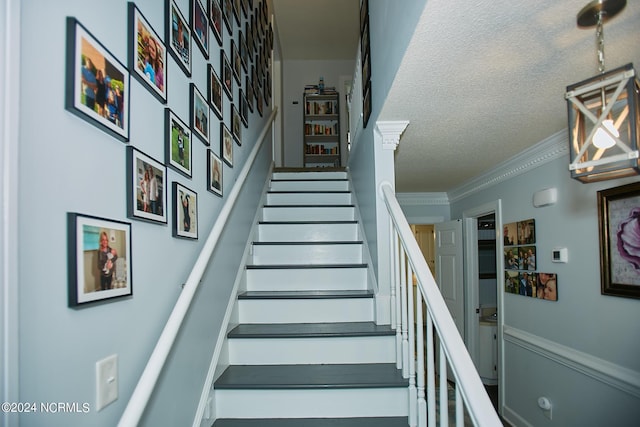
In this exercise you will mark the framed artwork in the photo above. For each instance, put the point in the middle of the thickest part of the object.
(244, 52)
(249, 93)
(546, 286)
(215, 92)
(178, 150)
(244, 108)
(147, 55)
(227, 15)
(227, 75)
(226, 142)
(236, 125)
(215, 19)
(245, 7)
(510, 234)
(237, 10)
(99, 257)
(619, 222)
(185, 212)
(214, 171)
(259, 104)
(146, 185)
(179, 37)
(249, 37)
(200, 24)
(97, 84)
(199, 115)
(366, 109)
(364, 13)
(236, 61)
(527, 232)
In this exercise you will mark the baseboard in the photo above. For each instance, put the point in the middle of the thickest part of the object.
(611, 374)
(513, 418)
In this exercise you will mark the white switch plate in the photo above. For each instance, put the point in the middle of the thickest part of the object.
(106, 381)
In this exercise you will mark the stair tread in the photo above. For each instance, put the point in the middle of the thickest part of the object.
(310, 330)
(302, 266)
(314, 422)
(333, 376)
(347, 221)
(310, 206)
(307, 191)
(308, 179)
(314, 294)
(302, 243)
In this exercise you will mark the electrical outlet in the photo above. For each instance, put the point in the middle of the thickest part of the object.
(106, 381)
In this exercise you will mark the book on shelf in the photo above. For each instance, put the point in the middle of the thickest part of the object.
(320, 149)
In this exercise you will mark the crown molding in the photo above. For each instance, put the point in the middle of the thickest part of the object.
(422, 199)
(552, 148)
(391, 131)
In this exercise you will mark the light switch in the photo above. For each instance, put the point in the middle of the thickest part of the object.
(106, 381)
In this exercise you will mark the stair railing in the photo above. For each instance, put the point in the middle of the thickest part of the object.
(408, 263)
(141, 394)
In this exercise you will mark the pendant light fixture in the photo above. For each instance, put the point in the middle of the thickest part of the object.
(603, 110)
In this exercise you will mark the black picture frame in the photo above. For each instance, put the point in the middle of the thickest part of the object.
(244, 51)
(98, 274)
(146, 187)
(85, 56)
(178, 36)
(366, 104)
(236, 62)
(618, 222)
(227, 15)
(215, 20)
(178, 144)
(147, 55)
(214, 90)
(244, 108)
(199, 114)
(214, 172)
(236, 125)
(200, 26)
(249, 93)
(227, 75)
(226, 144)
(185, 212)
(237, 10)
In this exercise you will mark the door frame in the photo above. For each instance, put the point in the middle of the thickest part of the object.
(472, 328)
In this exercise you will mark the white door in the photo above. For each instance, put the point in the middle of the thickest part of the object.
(450, 269)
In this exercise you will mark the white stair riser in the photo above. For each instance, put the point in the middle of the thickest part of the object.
(306, 279)
(313, 185)
(316, 403)
(293, 351)
(307, 232)
(305, 310)
(307, 254)
(338, 198)
(328, 213)
(310, 175)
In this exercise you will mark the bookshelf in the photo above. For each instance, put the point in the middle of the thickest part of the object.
(321, 137)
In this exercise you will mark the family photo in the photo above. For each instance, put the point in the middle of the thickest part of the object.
(185, 217)
(149, 56)
(178, 145)
(146, 179)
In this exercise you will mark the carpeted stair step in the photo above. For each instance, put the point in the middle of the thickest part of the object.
(315, 422)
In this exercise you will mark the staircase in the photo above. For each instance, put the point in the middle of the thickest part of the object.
(307, 352)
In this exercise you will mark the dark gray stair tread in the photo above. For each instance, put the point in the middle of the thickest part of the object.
(293, 243)
(301, 266)
(328, 294)
(315, 422)
(310, 330)
(338, 376)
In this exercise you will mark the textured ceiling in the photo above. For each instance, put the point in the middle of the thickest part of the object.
(481, 80)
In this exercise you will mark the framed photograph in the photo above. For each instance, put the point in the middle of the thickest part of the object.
(527, 232)
(511, 282)
(236, 61)
(249, 93)
(215, 92)
(178, 151)
(237, 10)
(259, 103)
(99, 257)
(244, 108)
(227, 15)
(215, 19)
(236, 125)
(527, 258)
(185, 212)
(619, 222)
(244, 52)
(510, 234)
(249, 37)
(546, 286)
(226, 144)
(366, 108)
(214, 171)
(146, 185)
(227, 75)
(97, 84)
(199, 115)
(200, 24)
(364, 13)
(179, 37)
(147, 55)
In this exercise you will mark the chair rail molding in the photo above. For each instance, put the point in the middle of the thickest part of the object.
(391, 132)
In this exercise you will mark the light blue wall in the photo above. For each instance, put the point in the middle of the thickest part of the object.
(296, 75)
(602, 329)
(68, 165)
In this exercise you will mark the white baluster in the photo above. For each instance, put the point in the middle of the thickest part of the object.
(422, 404)
(444, 399)
(405, 332)
(397, 303)
(459, 409)
(413, 392)
(431, 373)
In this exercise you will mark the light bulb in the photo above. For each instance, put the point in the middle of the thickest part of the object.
(602, 139)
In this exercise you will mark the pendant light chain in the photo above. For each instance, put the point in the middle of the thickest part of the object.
(600, 42)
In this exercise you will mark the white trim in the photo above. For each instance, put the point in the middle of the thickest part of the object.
(552, 148)
(9, 131)
(391, 132)
(614, 375)
(423, 199)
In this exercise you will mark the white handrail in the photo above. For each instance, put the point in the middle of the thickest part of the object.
(452, 348)
(146, 383)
